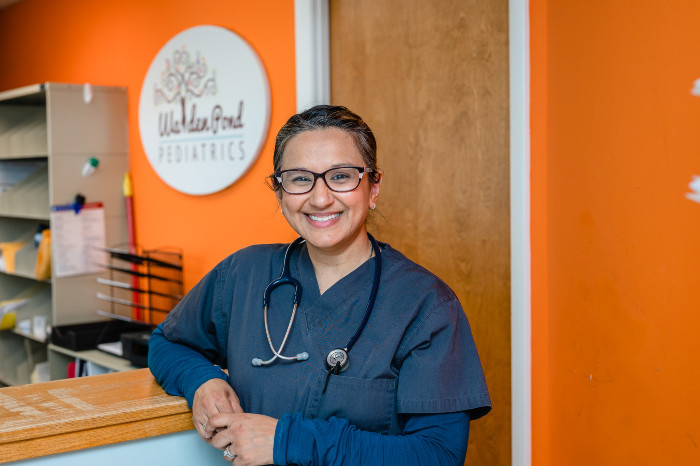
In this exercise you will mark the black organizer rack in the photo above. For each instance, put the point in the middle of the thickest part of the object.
(142, 286)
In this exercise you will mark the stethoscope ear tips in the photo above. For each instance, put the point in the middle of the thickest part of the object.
(302, 356)
(257, 362)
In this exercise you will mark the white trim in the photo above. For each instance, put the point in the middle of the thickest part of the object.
(521, 376)
(312, 53)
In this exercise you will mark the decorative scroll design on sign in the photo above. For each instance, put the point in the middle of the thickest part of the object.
(183, 79)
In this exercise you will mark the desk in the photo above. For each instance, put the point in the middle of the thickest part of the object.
(75, 414)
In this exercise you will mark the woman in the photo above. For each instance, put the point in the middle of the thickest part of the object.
(413, 379)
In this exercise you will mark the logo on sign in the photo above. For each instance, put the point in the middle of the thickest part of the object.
(204, 110)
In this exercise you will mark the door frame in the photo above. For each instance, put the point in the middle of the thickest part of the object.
(311, 19)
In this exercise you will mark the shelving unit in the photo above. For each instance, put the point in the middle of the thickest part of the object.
(98, 357)
(47, 133)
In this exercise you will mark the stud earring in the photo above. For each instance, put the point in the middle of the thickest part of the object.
(373, 207)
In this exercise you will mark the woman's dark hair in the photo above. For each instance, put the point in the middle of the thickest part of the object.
(329, 116)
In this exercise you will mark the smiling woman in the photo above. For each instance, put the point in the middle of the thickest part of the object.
(414, 360)
(332, 222)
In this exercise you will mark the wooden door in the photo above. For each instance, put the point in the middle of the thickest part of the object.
(431, 79)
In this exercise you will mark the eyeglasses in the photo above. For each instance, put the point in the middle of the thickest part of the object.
(340, 180)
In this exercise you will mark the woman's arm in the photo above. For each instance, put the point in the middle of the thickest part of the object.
(425, 439)
(179, 369)
(182, 371)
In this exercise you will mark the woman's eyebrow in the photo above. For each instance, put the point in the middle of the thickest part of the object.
(336, 165)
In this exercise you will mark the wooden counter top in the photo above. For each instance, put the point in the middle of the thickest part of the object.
(66, 415)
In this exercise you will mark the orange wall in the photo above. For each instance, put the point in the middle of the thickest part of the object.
(113, 43)
(615, 244)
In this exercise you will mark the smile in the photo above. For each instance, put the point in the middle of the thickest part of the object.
(323, 219)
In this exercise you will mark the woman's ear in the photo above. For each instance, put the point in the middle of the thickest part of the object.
(278, 193)
(374, 191)
(279, 201)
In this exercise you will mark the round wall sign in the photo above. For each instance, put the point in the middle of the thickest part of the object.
(204, 110)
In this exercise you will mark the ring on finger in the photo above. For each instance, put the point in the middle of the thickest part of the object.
(228, 454)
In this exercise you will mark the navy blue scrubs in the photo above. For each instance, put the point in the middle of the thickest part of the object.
(416, 354)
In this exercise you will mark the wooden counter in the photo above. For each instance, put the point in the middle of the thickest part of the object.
(74, 414)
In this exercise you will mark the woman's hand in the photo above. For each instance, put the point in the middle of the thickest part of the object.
(212, 397)
(250, 438)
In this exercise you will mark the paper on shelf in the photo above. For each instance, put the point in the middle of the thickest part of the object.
(13, 172)
(33, 301)
(28, 195)
(10, 305)
(114, 347)
(41, 372)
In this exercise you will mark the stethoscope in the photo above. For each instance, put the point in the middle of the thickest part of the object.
(337, 359)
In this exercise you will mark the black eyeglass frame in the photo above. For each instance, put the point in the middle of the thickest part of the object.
(277, 177)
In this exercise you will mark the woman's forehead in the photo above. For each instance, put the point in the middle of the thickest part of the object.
(321, 148)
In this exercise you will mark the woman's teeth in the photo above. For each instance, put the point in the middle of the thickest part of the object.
(323, 219)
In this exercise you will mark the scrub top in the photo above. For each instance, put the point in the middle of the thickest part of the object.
(415, 355)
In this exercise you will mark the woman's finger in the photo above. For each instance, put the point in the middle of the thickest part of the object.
(212, 397)
(222, 436)
(249, 436)
(229, 455)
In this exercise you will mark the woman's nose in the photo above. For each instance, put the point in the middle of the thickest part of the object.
(320, 195)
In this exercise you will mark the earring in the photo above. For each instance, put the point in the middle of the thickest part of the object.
(281, 210)
(373, 207)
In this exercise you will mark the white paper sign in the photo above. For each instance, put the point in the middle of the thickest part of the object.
(77, 240)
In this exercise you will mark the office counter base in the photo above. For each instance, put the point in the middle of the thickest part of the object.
(126, 410)
(178, 449)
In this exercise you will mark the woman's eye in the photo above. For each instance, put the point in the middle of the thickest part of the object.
(301, 179)
(340, 177)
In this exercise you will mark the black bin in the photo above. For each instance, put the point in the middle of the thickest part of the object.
(81, 337)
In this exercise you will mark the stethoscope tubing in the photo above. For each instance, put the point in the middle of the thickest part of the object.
(286, 279)
(372, 295)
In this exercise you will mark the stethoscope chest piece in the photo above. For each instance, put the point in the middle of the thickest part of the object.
(337, 357)
(337, 360)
